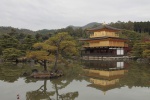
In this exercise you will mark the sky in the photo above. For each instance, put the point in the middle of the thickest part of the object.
(56, 14)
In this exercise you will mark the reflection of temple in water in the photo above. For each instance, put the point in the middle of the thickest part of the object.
(105, 75)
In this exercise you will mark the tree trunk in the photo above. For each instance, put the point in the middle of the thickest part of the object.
(56, 59)
(45, 81)
(56, 89)
(45, 67)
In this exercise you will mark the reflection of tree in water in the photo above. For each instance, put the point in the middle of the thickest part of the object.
(61, 83)
(69, 96)
(138, 75)
(10, 72)
(72, 73)
(58, 84)
(42, 92)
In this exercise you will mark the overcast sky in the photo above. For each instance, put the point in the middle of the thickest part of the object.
(54, 14)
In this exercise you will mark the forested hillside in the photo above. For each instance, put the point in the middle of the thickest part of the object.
(4, 30)
(141, 27)
(15, 42)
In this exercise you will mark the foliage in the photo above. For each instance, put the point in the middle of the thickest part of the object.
(138, 43)
(6, 41)
(42, 36)
(64, 46)
(137, 50)
(123, 25)
(59, 45)
(11, 54)
(41, 54)
(138, 75)
(5, 30)
(141, 50)
(10, 72)
(14, 40)
(75, 33)
(26, 43)
(133, 37)
(23, 39)
(140, 27)
(17, 41)
(146, 51)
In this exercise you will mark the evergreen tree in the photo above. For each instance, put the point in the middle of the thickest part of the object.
(60, 45)
(11, 54)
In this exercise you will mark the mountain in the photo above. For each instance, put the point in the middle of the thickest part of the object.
(90, 25)
(4, 30)
(74, 27)
(45, 31)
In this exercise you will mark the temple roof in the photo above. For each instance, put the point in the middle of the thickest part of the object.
(100, 38)
(104, 88)
(104, 27)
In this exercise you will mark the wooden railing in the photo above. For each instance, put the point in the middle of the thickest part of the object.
(106, 45)
(101, 54)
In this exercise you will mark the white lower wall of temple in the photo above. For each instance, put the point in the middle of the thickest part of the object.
(120, 51)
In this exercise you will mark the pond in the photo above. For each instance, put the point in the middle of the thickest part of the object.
(99, 80)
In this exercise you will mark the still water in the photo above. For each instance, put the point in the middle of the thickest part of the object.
(99, 80)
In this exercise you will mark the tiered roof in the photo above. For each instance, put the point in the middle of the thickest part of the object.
(101, 38)
(101, 27)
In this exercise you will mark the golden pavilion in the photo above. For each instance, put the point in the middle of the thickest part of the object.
(104, 41)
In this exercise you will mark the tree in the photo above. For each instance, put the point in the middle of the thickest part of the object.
(41, 54)
(141, 50)
(146, 50)
(146, 53)
(132, 36)
(60, 45)
(64, 46)
(27, 43)
(11, 54)
(6, 41)
(38, 37)
(137, 50)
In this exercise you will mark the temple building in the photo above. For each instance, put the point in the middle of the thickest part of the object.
(104, 41)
